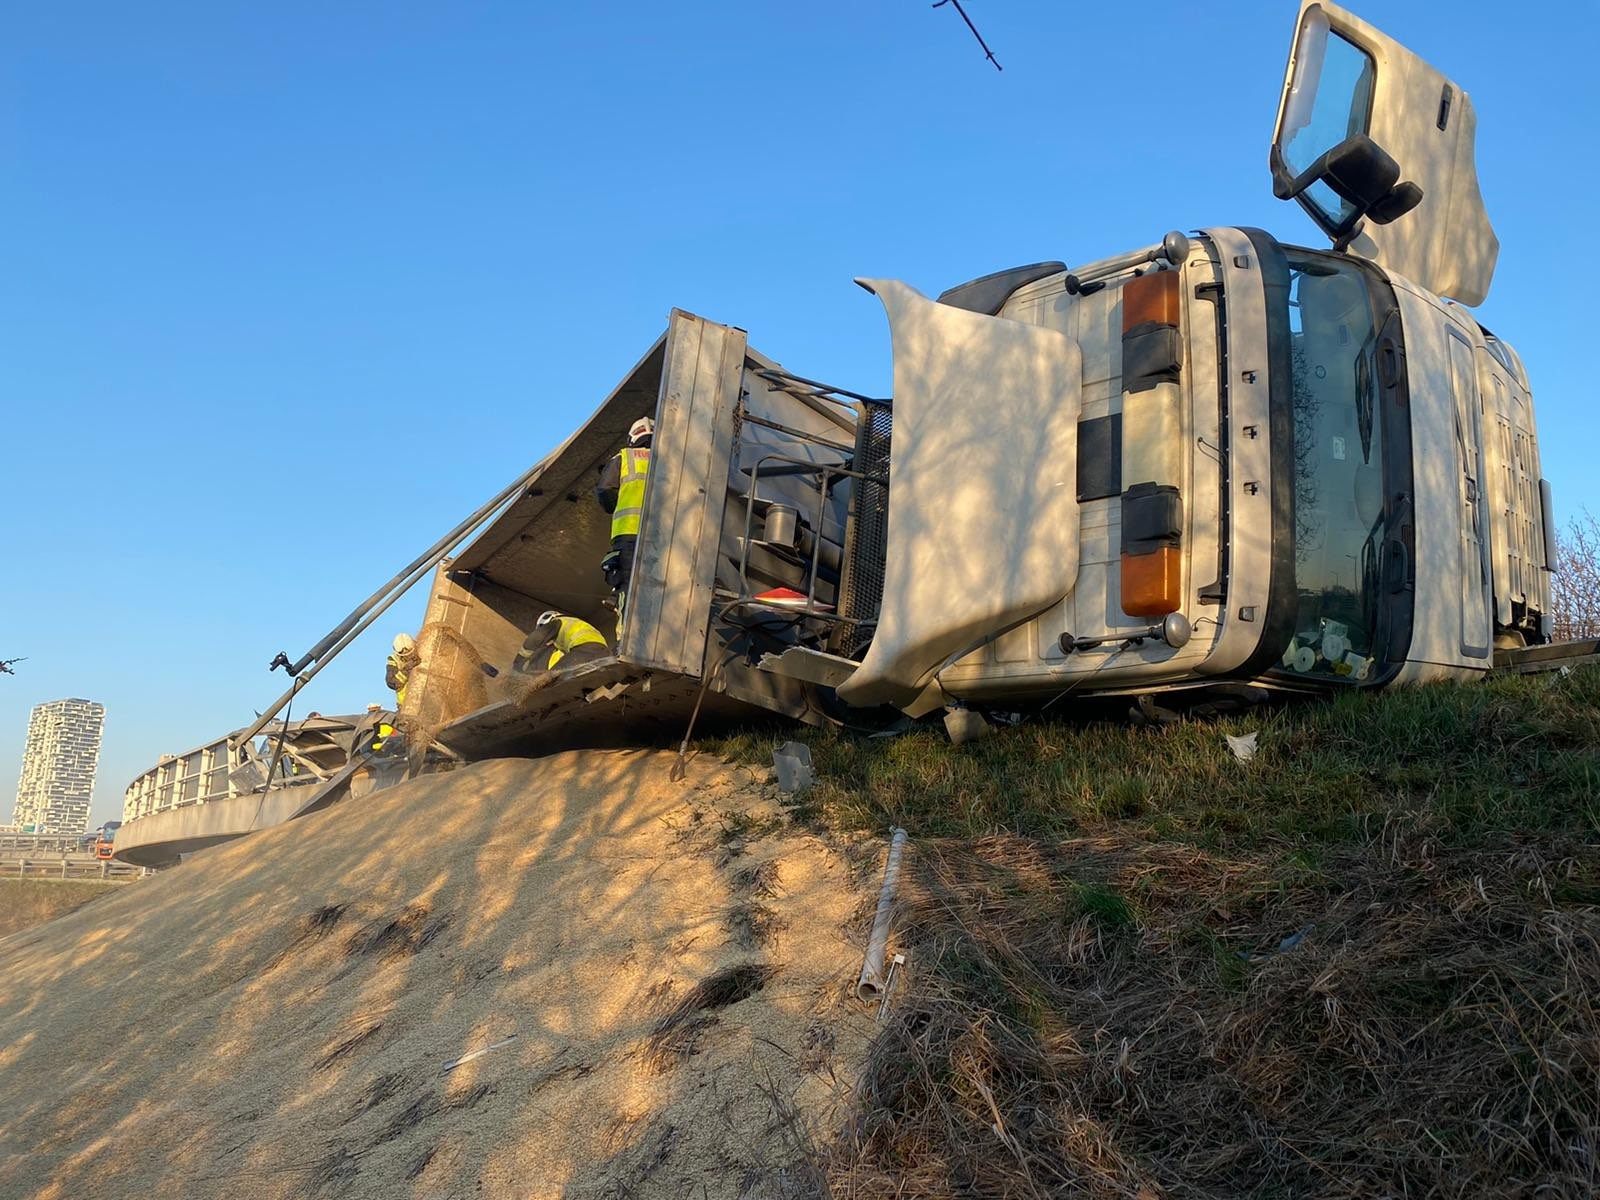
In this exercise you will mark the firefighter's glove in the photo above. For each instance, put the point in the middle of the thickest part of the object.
(611, 568)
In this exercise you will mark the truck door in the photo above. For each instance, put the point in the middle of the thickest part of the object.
(1350, 90)
(1476, 600)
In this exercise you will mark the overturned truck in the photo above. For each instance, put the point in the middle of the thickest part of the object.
(1216, 461)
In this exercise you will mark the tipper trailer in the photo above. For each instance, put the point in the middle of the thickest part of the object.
(1217, 461)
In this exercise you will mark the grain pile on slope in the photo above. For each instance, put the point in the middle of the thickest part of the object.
(273, 1018)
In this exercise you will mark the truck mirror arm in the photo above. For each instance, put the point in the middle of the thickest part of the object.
(1364, 175)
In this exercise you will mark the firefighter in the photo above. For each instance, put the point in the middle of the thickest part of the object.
(558, 639)
(403, 659)
(621, 493)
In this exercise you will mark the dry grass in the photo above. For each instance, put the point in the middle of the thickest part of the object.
(1431, 1032)
(25, 903)
(1365, 964)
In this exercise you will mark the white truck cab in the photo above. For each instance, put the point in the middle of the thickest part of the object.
(1299, 467)
(1216, 460)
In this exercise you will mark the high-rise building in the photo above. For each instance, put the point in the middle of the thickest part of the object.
(58, 766)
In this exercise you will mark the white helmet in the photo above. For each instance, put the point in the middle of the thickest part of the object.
(403, 643)
(642, 428)
(548, 616)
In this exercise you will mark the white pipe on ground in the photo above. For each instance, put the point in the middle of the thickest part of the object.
(870, 986)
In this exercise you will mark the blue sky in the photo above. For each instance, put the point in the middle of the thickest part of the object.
(288, 288)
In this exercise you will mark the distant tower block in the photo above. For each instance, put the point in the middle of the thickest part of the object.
(58, 766)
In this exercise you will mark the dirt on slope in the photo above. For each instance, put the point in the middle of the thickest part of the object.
(27, 902)
(668, 966)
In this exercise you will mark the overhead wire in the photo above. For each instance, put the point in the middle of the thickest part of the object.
(987, 53)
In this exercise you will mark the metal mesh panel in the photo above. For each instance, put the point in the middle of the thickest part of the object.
(866, 531)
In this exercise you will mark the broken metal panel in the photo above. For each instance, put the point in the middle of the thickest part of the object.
(601, 703)
(314, 748)
(983, 521)
(812, 666)
(675, 568)
(1347, 77)
(737, 680)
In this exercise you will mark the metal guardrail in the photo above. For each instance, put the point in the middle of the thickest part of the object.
(313, 751)
(65, 867)
(32, 844)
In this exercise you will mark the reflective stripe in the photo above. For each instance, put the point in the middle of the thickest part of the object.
(630, 492)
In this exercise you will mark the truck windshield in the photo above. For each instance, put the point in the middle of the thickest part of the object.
(1338, 470)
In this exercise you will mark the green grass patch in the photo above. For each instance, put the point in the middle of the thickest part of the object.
(1102, 905)
(1478, 759)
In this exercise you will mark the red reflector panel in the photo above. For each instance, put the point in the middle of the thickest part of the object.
(1150, 298)
(782, 597)
(1150, 582)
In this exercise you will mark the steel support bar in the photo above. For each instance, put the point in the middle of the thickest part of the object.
(426, 561)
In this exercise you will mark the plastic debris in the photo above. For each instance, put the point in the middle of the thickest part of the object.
(466, 1058)
(792, 761)
(872, 984)
(1244, 748)
(896, 965)
(1295, 938)
(1289, 943)
(963, 725)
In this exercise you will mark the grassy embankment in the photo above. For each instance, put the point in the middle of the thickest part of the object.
(28, 902)
(1366, 962)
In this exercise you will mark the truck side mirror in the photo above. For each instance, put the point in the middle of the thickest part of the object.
(1347, 81)
(1362, 174)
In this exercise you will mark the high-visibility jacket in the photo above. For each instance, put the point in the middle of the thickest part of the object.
(397, 673)
(574, 633)
(635, 463)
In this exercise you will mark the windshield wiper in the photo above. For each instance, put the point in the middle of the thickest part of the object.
(1364, 397)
